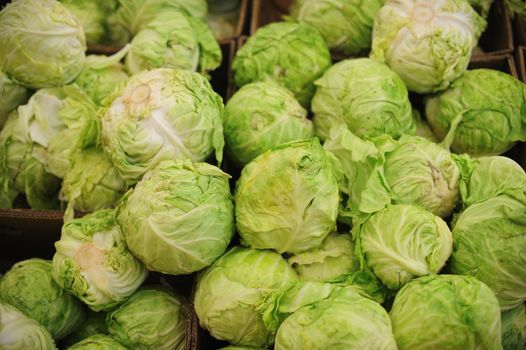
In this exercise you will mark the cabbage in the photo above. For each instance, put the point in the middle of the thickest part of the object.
(42, 43)
(93, 262)
(98, 342)
(366, 96)
(260, 116)
(483, 113)
(428, 43)
(287, 198)
(29, 287)
(162, 114)
(292, 54)
(91, 15)
(12, 95)
(514, 328)
(179, 218)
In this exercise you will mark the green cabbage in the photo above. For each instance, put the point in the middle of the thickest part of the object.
(428, 43)
(93, 262)
(345, 25)
(91, 16)
(483, 113)
(260, 116)
(366, 96)
(162, 114)
(179, 218)
(18, 331)
(446, 312)
(152, 318)
(12, 95)
(514, 328)
(292, 54)
(98, 342)
(29, 286)
(287, 198)
(229, 294)
(489, 243)
(42, 43)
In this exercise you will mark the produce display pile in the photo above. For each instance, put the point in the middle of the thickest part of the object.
(368, 203)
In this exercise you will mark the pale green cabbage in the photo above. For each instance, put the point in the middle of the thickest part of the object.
(179, 218)
(18, 331)
(345, 25)
(162, 114)
(366, 96)
(446, 312)
(292, 54)
(29, 286)
(514, 328)
(489, 243)
(12, 95)
(152, 318)
(97, 342)
(287, 198)
(91, 15)
(42, 43)
(428, 43)
(483, 113)
(93, 262)
(230, 293)
(260, 116)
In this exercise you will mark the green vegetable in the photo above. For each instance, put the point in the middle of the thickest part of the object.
(92, 183)
(428, 43)
(98, 342)
(342, 320)
(179, 218)
(12, 95)
(514, 328)
(489, 243)
(346, 26)
(230, 292)
(152, 318)
(162, 114)
(292, 54)
(287, 198)
(18, 331)
(94, 324)
(29, 287)
(260, 116)
(93, 263)
(366, 96)
(481, 6)
(91, 16)
(174, 40)
(42, 43)
(402, 242)
(101, 75)
(481, 114)
(446, 312)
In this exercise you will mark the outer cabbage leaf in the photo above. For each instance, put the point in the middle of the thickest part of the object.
(12, 95)
(98, 342)
(91, 15)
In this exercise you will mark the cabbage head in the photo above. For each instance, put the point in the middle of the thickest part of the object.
(514, 328)
(483, 113)
(402, 242)
(102, 74)
(42, 43)
(91, 16)
(489, 243)
(17, 331)
(29, 286)
(93, 262)
(162, 114)
(287, 198)
(292, 54)
(179, 218)
(428, 43)
(152, 318)
(174, 40)
(261, 116)
(98, 342)
(92, 183)
(12, 95)
(446, 312)
(342, 320)
(488, 177)
(366, 96)
(346, 26)
(229, 295)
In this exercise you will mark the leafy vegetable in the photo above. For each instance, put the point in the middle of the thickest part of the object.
(42, 43)
(91, 16)
(287, 198)
(260, 116)
(514, 328)
(428, 43)
(98, 342)
(12, 95)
